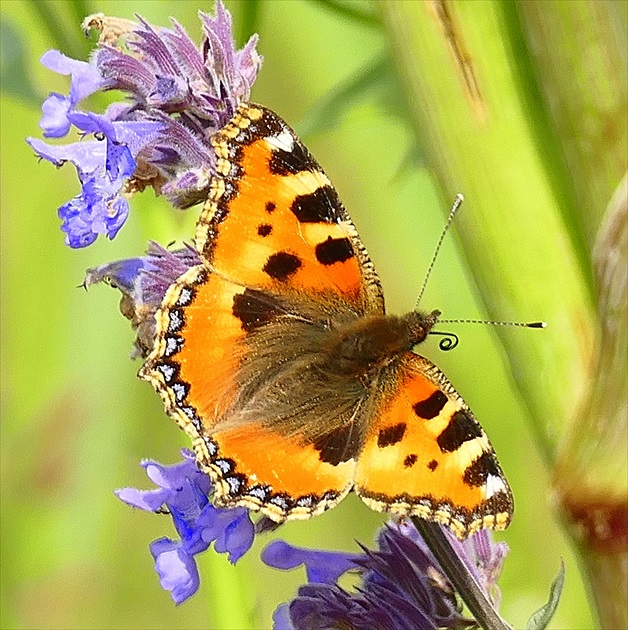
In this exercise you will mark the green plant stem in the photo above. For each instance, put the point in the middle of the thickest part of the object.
(608, 577)
(577, 53)
(474, 132)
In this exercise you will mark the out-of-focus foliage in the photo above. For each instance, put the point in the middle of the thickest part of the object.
(76, 421)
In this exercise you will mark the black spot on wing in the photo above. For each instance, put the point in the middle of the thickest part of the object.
(255, 308)
(461, 428)
(410, 460)
(391, 435)
(334, 250)
(430, 407)
(270, 206)
(282, 265)
(289, 162)
(338, 446)
(483, 466)
(264, 229)
(320, 206)
(433, 465)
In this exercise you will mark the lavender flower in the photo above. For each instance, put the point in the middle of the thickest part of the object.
(143, 282)
(178, 96)
(402, 584)
(184, 490)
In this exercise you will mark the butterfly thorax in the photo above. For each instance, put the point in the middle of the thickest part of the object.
(375, 341)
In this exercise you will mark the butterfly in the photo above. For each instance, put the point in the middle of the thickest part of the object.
(275, 355)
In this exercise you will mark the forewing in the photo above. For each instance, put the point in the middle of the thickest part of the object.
(273, 220)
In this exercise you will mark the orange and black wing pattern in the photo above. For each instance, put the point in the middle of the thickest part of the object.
(427, 455)
(272, 227)
(273, 220)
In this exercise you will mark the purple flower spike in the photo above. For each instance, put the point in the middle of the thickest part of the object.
(143, 282)
(402, 585)
(177, 96)
(183, 491)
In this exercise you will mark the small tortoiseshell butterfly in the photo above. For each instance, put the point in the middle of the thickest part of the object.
(276, 356)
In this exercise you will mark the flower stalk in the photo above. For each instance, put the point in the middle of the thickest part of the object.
(459, 575)
(522, 107)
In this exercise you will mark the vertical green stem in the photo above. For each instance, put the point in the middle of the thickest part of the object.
(463, 582)
(474, 129)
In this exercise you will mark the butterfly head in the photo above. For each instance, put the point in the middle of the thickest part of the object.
(419, 325)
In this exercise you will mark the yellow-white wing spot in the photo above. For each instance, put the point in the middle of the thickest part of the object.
(494, 485)
(283, 141)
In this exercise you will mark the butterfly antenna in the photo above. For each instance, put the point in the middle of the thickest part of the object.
(452, 213)
(492, 323)
(450, 340)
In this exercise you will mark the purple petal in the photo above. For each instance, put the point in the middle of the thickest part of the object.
(54, 121)
(169, 476)
(231, 529)
(177, 570)
(88, 122)
(281, 618)
(86, 78)
(237, 537)
(122, 274)
(323, 567)
(86, 156)
(148, 500)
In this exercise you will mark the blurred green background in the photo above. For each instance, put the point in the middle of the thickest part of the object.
(76, 421)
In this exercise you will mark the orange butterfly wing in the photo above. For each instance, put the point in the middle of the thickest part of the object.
(273, 220)
(194, 366)
(427, 455)
(278, 247)
(272, 226)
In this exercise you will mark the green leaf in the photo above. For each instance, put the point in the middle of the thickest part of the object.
(14, 76)
(541, 618)
(375, 82)
(350, 11)
(249, 22)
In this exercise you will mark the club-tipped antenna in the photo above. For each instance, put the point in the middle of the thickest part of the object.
(450, 340)
(452, 213)
(492, 323)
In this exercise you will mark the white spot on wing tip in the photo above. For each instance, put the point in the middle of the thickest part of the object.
(494, 485)
(283, 141)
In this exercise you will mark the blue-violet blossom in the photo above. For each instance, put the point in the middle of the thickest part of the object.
(178, 95)
(143, 282)
(402, 585)
(183, 491)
